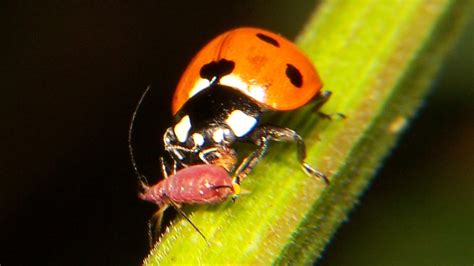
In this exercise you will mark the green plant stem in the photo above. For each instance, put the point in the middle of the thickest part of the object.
(378, 58)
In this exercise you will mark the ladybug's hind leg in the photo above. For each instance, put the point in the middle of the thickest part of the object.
(261, 136)
(320, 100)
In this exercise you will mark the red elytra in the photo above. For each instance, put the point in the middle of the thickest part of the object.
(268, 68)
(196, 184)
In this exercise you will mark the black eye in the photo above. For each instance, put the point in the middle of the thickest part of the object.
(294, 75)
(268, 39)
(217, 69)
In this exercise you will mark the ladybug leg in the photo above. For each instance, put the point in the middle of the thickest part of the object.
(330, 116)
(177, 153)
(261, 136)
(175, 166)
(220, 156)
(249, 162)
(165, 169)
(204, 154)
(320, 100)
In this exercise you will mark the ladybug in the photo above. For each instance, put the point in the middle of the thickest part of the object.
(226, 89)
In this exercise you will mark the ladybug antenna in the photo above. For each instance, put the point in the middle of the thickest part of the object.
(141, 177)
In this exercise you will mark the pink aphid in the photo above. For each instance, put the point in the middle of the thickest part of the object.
(197, 184)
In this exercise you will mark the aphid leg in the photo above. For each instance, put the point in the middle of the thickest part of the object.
(154, 225)
(264, 134)
(182, 213)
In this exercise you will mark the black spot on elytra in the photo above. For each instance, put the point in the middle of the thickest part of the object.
(216, 69)
(268, 39)
(294, 75)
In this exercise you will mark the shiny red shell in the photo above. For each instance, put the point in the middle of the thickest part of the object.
(196, 184)
(267, 67)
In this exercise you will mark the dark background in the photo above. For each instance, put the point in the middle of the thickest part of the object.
(71, 75)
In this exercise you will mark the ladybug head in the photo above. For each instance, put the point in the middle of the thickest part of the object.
(211, 145)
(208, 124)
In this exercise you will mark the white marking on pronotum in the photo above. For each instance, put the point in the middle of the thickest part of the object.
(250, 88)
(233, 81)
(198, 139)
(240, 123)
(257, 92)
(181, 129)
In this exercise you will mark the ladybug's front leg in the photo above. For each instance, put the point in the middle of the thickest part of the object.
(165, 168)
(249, 162)
(261, 137)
